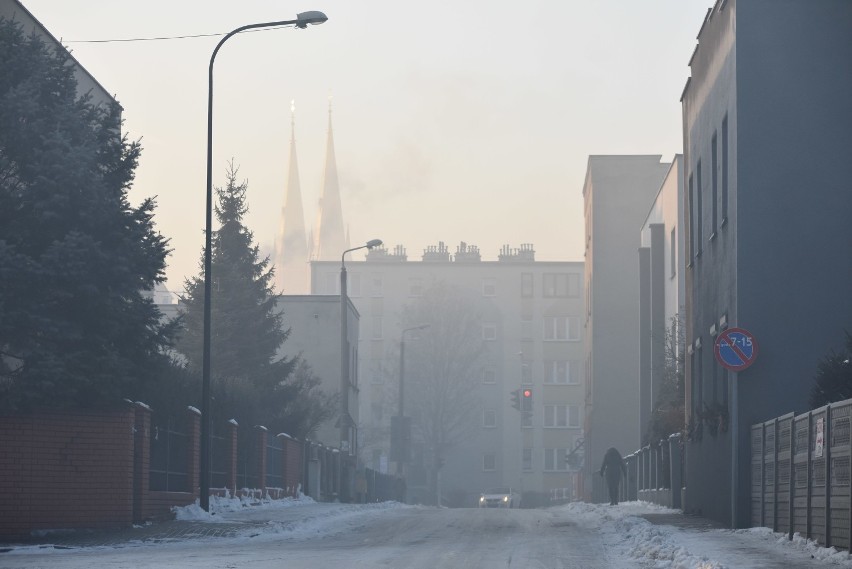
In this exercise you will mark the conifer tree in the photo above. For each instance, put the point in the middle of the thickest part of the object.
(75, 255)
(250, 381)
(833, 381)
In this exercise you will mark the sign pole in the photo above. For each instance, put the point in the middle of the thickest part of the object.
(735, 349)
(735, 423)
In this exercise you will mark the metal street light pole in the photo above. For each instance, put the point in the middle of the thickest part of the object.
(345, 418)
(400, 413)
(302, 20)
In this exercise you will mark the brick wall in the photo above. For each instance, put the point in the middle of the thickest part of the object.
(66, 470)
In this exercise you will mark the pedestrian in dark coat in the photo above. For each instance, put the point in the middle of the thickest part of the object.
(613, 469)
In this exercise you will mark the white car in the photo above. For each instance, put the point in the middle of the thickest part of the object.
(500, 498)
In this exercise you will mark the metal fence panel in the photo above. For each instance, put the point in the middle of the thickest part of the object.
(769, 472)
(757, 440)
(817, 475)
(785, 443)
(840, 441)
(169, 455)
(274, 463)
(801, 424)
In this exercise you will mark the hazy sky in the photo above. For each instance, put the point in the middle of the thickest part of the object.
(453, 120)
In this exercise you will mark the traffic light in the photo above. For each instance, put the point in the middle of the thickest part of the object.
(516, 399)
(526, 403)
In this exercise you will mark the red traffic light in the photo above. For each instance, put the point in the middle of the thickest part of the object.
(527, 392)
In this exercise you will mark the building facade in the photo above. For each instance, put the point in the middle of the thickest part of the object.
(661, 291)
(617, 193)
(531, 337)
(315, 336)
(767, 137)
(13, 10)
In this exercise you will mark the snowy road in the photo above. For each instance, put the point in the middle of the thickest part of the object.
(310, 535)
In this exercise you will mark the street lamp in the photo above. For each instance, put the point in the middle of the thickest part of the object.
(302, 20)
(401, 451)
(345, 419)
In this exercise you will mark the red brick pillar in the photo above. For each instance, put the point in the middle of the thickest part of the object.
(193, 449)
(233, 428)
(260, 441)
(141, 459)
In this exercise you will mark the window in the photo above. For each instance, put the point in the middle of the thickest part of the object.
(673, 251)
(526, 285)
(527, 460)
(561, 328)
(691, 192)
(489, 375)
(526, 372)
(526, 327)
(489, 287)
(561, 285)
(714, 188)
(724, 169)
(699, 212)
(377, 328)
(561, 416)
(377, 286)
(562, 372)
(489, 461)
(554, 459)
(489, 418)
(415, 287)
(489, 332)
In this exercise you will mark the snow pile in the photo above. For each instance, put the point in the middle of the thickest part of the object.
(630, 536)
(808, 546)
(221, 505)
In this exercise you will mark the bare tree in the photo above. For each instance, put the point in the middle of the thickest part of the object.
(668, 416)
(442, 369)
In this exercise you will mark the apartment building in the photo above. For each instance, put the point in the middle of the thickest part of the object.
(530, 331)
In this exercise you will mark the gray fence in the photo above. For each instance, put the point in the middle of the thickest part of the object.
(655, 473)
(800, 480)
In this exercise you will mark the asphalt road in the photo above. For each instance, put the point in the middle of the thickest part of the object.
(411, 538)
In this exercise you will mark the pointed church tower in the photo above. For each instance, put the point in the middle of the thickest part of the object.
(291, 246)
(329, 232)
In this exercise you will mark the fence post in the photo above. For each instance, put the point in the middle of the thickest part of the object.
(826, 453)
(792, 489)
(809, 477)
(261, 434)
(231, 476)
(675, 459)
(141, 459)
(193, 448)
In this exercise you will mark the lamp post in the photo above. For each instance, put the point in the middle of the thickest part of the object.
(345, 418)
(302, 20)
(401, 438)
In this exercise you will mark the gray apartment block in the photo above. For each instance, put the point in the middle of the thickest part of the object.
(768, 138)
(531, 330)
(618, 192)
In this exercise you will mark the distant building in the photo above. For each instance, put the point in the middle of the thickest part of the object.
(661, 290)
(13, 10)
(314, 324)
(617, 193)
(767, 138)
(532, 314)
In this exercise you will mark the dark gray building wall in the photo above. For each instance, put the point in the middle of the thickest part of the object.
(781, 266)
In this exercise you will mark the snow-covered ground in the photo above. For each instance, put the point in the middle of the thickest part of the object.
(303, 533)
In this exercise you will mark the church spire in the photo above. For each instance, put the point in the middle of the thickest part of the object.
(329, 233)
(291, 246)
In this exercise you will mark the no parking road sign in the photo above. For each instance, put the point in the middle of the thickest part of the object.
(736, 349)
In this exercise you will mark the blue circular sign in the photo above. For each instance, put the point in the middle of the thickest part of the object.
(736, 349)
